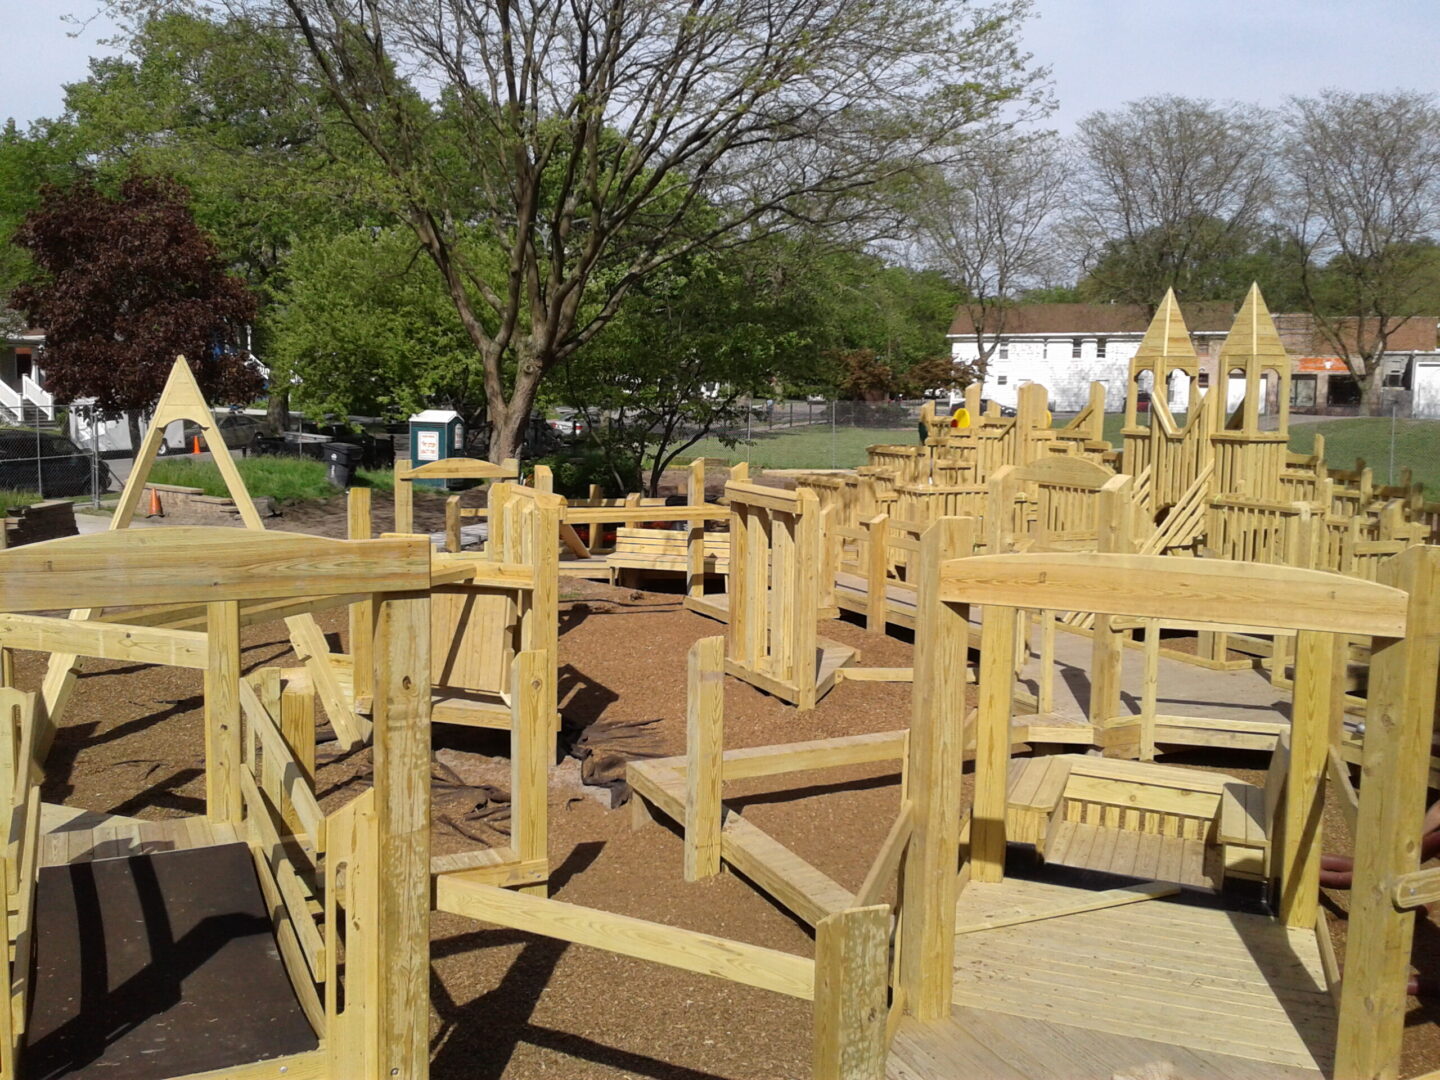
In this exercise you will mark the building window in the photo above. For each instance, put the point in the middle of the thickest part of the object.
(1100, 348)
(1001, 380)
(1302, 392)
(1204, 379)
(1075, 344)
(1004, 351)
(1395, 378)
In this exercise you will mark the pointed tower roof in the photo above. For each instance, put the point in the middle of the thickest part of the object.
(1253, 338)
(1167, 340)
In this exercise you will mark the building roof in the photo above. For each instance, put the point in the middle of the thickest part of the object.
(1066, 319)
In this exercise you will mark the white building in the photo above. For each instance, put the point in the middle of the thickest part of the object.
(1065, 347)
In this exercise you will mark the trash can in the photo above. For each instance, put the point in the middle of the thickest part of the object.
(341, 461)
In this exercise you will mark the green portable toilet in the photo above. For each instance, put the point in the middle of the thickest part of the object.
(435, 434)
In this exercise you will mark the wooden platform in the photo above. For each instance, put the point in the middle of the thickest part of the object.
(73, 836)
(158, 965)
(1165, 985)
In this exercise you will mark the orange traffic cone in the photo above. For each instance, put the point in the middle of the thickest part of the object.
(195, 446)
(154, 508)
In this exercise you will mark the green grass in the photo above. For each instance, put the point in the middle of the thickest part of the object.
(284, 479)
(379, 479)
(1417, 447)
(15, 499)
(807, 448)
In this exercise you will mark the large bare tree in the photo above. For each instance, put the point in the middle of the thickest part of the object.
(1361, 206)
(1166, 188)
(550, 154)
(986, 223)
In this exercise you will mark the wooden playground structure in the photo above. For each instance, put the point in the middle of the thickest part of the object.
(1052, 898)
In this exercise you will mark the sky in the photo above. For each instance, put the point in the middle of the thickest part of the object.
(1102, 52)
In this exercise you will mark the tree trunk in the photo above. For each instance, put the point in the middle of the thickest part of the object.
(1371, 388)
(277, 411)
(132, 421)
(509, 419)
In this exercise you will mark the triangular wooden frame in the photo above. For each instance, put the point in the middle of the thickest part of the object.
(182, 399)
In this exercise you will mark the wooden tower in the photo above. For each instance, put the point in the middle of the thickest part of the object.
(1249, 461)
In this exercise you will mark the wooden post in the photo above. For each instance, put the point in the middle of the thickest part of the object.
(532, 751)
(7, 667)
(297, 726)
(402, 811)
(695, 546)
(404, 497)
(1150, 689)
(544, 616)
(360, 526)
(1318, 702)
(933, 768)
(851, 953)
(992, 743)
(452, 524)
(704, 749)
(1114, 518)
(222, 713)
(1045, 693)
(804, 613)
(1399, 723)
(876, 565)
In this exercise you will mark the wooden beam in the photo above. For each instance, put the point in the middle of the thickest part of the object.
(104, 640)
(851, 961)
(933, 769)
(402, 810)
(532, 752)
(992, 743)
(882, 871)
(1191, 590)
(223, 688)
(1315, 712)
(734, 961)
(1398, 729)
(705, 744)
(1096, 901)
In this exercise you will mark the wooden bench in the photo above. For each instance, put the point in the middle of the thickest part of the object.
(1144, 820)
(666, 550)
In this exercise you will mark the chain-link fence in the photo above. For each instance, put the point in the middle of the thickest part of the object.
(812, 433)
(53, 452)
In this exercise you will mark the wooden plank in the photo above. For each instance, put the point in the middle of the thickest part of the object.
(290, 892)
(876, 674)
(1141, 796)
(1418, 888)
(851, 953)
(882, 871)
(689, 950)
(790, 880)
(295, 783)
(1198, 590)
(532, 751)
(314, 653)
(1108, 898)
(705, 742)
(933, 770)
(223, 687)
(1346, 795)
(402, 810)
(104, 640)
(1315, 711)
(306, 1066)
(992, 743)
(458, 468)
(200, 564)
(1398, 732)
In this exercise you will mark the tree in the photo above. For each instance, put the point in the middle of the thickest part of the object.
(581, 136)
(1362, 205)
(986, 224)
(689, 349)
(125, 285)
(366, 327)
(1166, 188)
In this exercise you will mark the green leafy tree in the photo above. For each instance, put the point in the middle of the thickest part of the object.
(580, 136)
(367, 327)
(683, 358)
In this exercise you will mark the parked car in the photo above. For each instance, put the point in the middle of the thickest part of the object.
(239, 430)
(569, 425)
(48, 463)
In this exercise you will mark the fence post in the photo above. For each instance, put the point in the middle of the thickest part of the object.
(851, 950)
(705, 744)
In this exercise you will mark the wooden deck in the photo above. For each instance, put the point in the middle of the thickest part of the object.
(75, 836)
(1156, 989)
